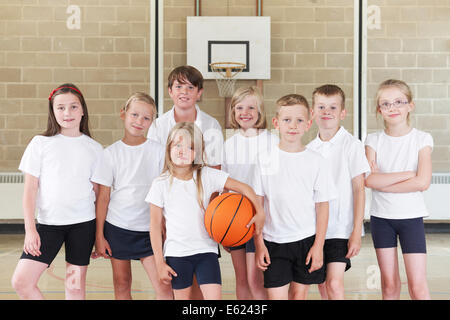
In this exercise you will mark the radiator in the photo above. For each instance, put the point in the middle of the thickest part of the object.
(437, 197)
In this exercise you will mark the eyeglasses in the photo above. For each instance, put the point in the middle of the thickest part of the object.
(396, 104)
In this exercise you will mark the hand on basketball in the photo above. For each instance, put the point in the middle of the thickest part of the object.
(258, 220)
(32, 243)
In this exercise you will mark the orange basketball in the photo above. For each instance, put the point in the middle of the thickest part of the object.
(226, 218)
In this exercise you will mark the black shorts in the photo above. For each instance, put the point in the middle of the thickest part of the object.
(249, 247)
(410, 232)
(78, 238)
(335, 250)
(126, 244)
(288, 263)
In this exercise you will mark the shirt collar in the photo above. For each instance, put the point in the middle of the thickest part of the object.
(198, 119)
(317, 142)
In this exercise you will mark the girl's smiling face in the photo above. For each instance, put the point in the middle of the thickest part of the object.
(68, 112)
(182, 151)
(137, 118)
(394, 106)
(246, 112)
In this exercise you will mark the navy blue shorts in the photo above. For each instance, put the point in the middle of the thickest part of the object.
(249, 246)
(411, 233)
(126, 244)
(205, 266)
(78, 239)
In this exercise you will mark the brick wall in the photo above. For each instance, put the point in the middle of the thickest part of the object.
(413, 44)
(108, 58)
(312, 44)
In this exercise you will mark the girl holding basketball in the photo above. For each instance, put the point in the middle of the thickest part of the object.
(124, 174)
(58, 166)
(248, 118)
(400, 160)
(180, 196)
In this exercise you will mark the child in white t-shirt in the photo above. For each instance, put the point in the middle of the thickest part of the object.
(124, 174)
(348, 164)
(180, 195)
(185, 85)
(292, 181)
(58, 166)
(400, 160)
(248, 118)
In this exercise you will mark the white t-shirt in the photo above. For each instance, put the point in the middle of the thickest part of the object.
(185, 228)
(64, 166)
(398, 154)
(240, 154)
(129, 171)
(347, 159)
(210, 127)
(291, 184)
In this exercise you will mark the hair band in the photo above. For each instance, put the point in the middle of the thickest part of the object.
(53, 92)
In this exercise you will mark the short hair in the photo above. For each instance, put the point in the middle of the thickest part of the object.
(291, 100)
(183, 73)
(329, 90)
(239, 95)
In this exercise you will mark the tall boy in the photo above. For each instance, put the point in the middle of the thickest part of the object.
(185, 84)
(348, 164)
(292, 181)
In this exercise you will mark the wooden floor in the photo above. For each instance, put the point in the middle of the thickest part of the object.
(361, 281)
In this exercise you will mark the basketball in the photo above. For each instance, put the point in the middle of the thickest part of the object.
(226, 218)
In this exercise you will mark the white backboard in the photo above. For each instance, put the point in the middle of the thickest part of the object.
(230, 39)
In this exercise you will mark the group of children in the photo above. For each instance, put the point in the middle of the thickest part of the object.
(143, 197)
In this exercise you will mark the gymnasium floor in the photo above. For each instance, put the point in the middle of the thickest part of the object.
(361, 281)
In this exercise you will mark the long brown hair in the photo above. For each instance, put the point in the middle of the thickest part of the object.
(53, 128)
(199, 162)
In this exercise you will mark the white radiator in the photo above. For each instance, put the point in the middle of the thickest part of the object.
(437, 197)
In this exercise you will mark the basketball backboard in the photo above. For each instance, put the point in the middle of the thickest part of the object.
(230, 39)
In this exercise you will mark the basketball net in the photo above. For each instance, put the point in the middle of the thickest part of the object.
(225, 73)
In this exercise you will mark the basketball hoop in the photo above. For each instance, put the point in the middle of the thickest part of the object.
(225, 73)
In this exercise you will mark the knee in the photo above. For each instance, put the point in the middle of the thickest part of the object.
(335, 288)
(391, 288)
(122, 283)
(419, 291)
(19, 283)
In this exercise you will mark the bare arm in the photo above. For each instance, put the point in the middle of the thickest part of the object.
(156, 236)
(262, 254)
(316, 252)
(377, 180)
(32, 241)
(101, 210)
(359, 198)
(246, 190)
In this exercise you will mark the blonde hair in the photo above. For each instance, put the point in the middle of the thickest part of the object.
(393, 83)
(239, 95)
(291, 100)
(199, 162)
(143, 97)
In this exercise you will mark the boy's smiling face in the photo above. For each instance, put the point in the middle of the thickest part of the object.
(292, 122)
(328, 111)
(184, 94)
